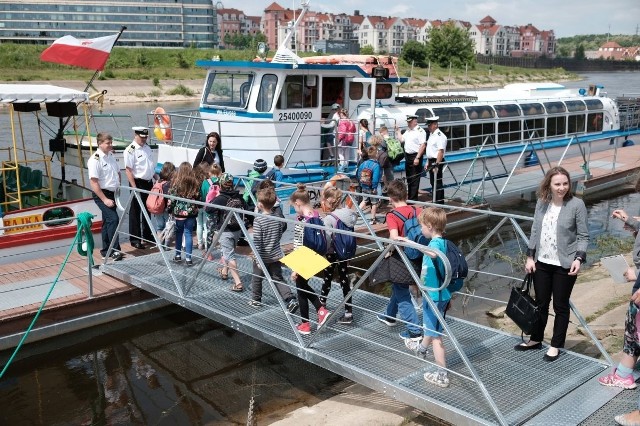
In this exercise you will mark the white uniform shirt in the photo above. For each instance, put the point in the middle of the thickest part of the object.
(413, 139)
(140, 160)
(332, 124)
(437, 141)
(105, 168)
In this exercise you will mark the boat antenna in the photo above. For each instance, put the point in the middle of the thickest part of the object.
(284, 55)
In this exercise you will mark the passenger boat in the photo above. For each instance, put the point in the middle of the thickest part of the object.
(266, 107)
(37, 207)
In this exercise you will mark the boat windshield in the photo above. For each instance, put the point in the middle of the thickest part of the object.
(228, 89)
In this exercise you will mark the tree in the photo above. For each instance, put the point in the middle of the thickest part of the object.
(579, 53)
(366, 50)
(414, 52)
(450, 44)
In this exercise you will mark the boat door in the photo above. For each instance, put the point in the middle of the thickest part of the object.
(333, 92)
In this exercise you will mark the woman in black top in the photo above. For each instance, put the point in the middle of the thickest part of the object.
(211, 152)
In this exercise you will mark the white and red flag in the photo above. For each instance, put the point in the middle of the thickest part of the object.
(90, 53)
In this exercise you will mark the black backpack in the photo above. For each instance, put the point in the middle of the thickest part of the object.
(235, 203)
(313, 238)
(344, 245)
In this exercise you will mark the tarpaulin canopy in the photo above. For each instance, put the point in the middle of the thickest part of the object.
(38, 93)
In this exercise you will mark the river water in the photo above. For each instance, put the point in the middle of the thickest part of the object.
(175, 367)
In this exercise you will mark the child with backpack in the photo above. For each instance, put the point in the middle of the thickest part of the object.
(400, 301)
(368, 175)
(363, 136)
(259, 167)
(314, 239)
(275, 174)
(394, 148)
(228, 240)
(340, 247)
(184, 185)
(383, 159)
(209, 191)
(433, 221)
(267, 234)
(346, 137)
(164, 181)
(201, 172)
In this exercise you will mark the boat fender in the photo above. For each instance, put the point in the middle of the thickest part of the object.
(162, 123)
(628, 142)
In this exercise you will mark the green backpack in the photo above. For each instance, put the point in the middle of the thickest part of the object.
(394, 150)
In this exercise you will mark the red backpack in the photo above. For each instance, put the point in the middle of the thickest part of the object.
(156, 203)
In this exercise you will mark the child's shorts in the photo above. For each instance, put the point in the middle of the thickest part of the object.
(432, 326)
(370, 200)
(228, 242)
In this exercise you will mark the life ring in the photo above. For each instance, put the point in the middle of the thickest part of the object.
(343, 183)
(162, 122)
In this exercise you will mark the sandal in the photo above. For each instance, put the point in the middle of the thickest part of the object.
(222, 274)
(237, 287)
(373, 221)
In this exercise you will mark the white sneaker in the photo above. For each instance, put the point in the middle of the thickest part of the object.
(415, 346)
(438, 378)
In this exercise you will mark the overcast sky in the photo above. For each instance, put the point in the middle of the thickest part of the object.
(565, 17)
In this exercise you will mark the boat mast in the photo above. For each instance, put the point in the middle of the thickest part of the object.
(284, 55)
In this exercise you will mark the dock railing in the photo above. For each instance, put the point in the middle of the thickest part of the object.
(373, 246)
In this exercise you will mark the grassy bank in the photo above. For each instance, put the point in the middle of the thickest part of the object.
(21, 62)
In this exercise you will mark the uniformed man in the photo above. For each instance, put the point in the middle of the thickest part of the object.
(104, 176)
(414, 139)
(140, 169)
(436, 146)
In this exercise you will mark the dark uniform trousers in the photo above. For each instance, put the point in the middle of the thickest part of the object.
(110, 221)
(413, 174)
(138, 226)
(438, 188)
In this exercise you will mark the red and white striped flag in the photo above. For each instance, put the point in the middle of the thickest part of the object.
(91, 53)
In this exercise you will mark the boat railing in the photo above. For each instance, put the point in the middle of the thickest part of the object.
(486, 268)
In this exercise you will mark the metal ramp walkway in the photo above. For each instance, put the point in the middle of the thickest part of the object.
(524, 389)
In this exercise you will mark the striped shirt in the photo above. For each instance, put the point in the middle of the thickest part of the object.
(267, 234)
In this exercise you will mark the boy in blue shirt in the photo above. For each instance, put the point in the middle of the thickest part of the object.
(369, 174)
(433, 221)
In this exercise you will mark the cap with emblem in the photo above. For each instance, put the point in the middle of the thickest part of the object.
(433, 119)
(260, 165)
(141, 131)
(226, 180)
(335, 106)
(412, 117)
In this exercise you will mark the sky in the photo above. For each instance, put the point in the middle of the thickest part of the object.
(565, 17)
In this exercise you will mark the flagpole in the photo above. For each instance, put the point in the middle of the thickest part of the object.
(95, 74)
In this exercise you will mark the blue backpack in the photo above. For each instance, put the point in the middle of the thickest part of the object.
(413, 232)
(313, 238)
(459, 267)
(344, 245)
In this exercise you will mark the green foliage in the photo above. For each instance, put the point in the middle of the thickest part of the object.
(450, 44)
(142, 59)
(180, 89)
(565, 45)
(366, 50)
(414, 52)
(156, 81)
(182, 63)
(579, 54)
(243, 41)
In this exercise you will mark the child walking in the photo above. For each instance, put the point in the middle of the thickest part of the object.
(433, 220)
(302, 205)
(369, 174)
(267, 234)
(209, 191)
(184, 185)
(331, 202)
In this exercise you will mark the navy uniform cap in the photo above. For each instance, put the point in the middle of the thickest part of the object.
(141, 131)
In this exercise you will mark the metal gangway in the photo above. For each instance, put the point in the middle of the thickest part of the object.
(490, 382)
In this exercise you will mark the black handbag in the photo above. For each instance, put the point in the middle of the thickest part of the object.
(393, 269)
(522, 308)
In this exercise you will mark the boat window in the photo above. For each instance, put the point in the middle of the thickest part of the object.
(575, 106)
(554, 107)
(356, 91)
(456, 137)
(423, 114)
(533, 129)
(593, 103)
(556, 126)
(594, 122)
(383, 91)
(509, 131)
(480, 112)
(450, 114)
(299, 91)
(576, 123)
(532, 109)
(228, 89)
(481, 131)
(508, 110)
(267, 92)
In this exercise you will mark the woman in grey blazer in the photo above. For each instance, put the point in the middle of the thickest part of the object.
(557, 249)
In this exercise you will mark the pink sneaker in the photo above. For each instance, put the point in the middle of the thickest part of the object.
(612, 379)
(322, 315)
(304, 328)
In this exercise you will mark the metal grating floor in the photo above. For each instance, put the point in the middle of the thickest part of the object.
(371, 353)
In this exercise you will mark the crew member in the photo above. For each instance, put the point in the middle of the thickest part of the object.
(104, 177)
(414, 139)
(436, 146)
(140, 169)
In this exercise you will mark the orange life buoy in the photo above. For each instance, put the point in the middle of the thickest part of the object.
(343, 183)
(162, 122)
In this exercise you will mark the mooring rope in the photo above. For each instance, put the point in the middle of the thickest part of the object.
(83, 230)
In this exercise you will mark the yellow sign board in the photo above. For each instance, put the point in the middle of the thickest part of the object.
(22, 223)
(305, 262)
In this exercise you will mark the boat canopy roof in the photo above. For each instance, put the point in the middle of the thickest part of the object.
(39, 93)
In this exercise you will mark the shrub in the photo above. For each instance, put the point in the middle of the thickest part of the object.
(156, 81)
(181, 89)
